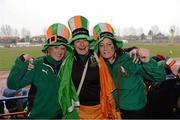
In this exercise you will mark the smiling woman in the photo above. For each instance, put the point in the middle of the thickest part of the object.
(107, 48)
(81, 46)
(57, 52)
(130, 94)
(89, 74)
(42, 74)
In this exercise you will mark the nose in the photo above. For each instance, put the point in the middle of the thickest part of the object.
(82, 43)
(59, 50)
(105, 47)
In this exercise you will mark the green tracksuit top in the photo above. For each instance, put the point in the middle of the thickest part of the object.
(43, 77)
(132, 88)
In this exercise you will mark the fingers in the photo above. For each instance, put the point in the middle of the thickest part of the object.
(140, 55)
(137, 61)
(133, 52)
(130, 54)
(29, 60)
(30, 66)
(26, 57)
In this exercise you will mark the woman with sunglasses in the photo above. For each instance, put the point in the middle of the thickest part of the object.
(43, 75)
(130, 94)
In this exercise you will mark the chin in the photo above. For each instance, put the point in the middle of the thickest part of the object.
(83, 53)
(106, 57)
(58, 59)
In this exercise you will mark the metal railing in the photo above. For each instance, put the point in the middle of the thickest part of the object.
(14, 114)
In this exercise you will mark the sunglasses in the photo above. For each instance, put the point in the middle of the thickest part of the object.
(56, 38)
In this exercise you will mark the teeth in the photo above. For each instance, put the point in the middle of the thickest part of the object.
(106, 52)
(82, 49)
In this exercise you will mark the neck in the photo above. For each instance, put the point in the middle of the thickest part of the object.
(52, 61)
(112, 59)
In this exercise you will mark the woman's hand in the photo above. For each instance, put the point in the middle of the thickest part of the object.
(30, 60)
(140, 55)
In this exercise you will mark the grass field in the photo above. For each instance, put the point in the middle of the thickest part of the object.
(8, 55)
(157, 48)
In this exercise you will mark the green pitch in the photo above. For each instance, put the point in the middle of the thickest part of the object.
(156, 48)
(8, 55)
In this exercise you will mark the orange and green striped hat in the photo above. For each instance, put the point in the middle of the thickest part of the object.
(104, 30)
(57, 34)
(79, 27)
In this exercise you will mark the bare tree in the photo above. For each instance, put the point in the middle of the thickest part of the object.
(6, 30)
(16, 33)
(176, 29)
(150, 35)
(142, 36)
(172, 31)
(25, 34)
(155, 29)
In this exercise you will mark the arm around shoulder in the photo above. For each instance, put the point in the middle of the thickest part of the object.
(153, 71)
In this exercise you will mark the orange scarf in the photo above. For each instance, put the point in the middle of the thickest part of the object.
(107, 87)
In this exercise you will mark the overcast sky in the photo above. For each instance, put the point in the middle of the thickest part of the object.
(36, 15)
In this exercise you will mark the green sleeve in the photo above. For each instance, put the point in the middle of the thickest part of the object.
(153, 71)
(19, 76)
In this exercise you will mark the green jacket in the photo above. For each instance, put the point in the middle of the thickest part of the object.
(132, 87)
(45, 104)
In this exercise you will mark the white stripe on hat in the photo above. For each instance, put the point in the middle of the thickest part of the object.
(71, 24)
(61, 30)
(103, 27)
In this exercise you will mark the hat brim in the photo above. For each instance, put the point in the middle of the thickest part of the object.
(68, 47)
(118, 42)
(82, 36)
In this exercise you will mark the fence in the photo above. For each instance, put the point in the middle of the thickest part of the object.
(12, 114)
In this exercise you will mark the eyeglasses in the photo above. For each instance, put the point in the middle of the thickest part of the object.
(56, 38)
